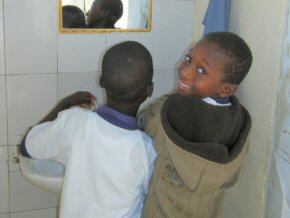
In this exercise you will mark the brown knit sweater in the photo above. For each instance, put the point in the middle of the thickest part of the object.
(190, 176)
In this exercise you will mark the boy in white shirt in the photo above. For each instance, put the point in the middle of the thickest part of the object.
(108, 159)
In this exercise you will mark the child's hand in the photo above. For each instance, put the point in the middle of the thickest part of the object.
(75, 99)
(83, 99)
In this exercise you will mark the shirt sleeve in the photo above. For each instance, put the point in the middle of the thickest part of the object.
(151, 160)
(52, 140)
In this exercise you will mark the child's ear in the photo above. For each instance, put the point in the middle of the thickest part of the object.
(101, 82)
(149, 89)
(228, 89)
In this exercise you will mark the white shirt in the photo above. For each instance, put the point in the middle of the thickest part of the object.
(214, 102)
(108, 168)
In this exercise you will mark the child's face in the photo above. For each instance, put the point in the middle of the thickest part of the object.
(94, 14)
(201, 73)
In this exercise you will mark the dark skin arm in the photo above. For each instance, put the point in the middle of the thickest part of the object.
(83, 99)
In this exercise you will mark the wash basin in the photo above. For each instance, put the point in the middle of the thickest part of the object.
(46, 174)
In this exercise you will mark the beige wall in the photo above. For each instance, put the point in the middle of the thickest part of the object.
(261, 23)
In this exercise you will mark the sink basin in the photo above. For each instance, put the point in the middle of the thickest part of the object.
(46, 174)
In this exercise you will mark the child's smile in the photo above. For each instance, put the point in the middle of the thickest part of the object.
(182, 85)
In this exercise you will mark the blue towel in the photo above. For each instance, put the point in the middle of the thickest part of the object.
(217, 17)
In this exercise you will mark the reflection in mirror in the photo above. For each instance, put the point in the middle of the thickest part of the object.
(104, 15)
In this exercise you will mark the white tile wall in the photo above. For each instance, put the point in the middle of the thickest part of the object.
(144, 38)
(13, 158)
(3, 118)
(21, 190)
(69, 83)
(2, 59)
(4, 215)
(172, 32)
(30, 98)
(80, 52)
(43, 66)
(164, 82)
(31, 36)
(4, 186)
(44, 213)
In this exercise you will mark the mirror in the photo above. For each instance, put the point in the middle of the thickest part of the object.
(86, 16)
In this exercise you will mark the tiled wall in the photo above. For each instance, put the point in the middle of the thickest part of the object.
(39, 66)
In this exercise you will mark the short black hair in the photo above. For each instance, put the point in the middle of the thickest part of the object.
(127, 69)
(237, 50)
(72, 17)
(115, 7)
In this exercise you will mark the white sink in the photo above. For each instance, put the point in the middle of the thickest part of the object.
(46, 174)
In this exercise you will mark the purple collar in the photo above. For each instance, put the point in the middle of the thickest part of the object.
(116, 118)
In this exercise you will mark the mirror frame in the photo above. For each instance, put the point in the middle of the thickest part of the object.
(62, 30)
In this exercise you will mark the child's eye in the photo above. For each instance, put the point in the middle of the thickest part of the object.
(200, 70)
(187, 59)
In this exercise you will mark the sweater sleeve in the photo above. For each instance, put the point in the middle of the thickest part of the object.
(150, 115)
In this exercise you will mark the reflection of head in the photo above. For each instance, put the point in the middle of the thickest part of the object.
(127, 71)
(237, 50)
(72, 17)
(104, 13)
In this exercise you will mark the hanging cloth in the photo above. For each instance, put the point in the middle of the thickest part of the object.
(217, 17)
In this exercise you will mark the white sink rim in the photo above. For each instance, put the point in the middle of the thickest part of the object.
(47, 181)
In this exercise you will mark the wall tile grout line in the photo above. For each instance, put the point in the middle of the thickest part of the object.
(6, 101)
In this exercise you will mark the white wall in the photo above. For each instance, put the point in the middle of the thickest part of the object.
(276, 202)
(39, 66)
(262, 23)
